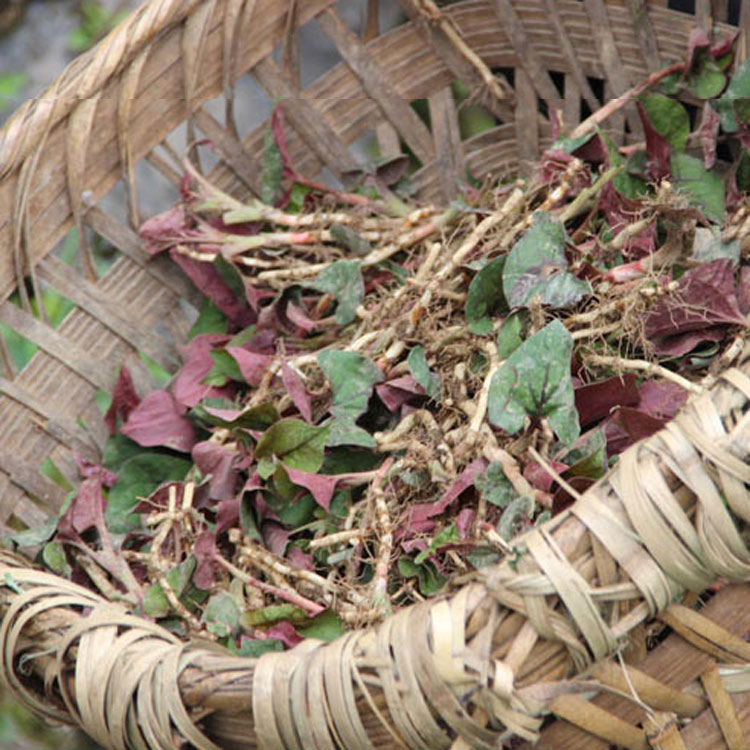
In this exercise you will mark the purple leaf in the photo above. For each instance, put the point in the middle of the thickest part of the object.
(218, 461)
(159, 420)
(657, 147)
(162, 231)
(90, 470)
(188, 387)
(398, 391)
(209, 281)
(124, 400)
(286, 633)
(204, 550)
(596, 400)
(299, 559)
(708, 132)
(421, 512)
(227, 515)
(296, 389)
(627, 426)
(464, 522)
(661, 399)
(320, 486)
(705, 296)
(537, 475)
(253, 366)
(743, 291)
(276, 537)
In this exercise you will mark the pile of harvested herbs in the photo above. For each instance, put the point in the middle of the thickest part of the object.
(378, 395)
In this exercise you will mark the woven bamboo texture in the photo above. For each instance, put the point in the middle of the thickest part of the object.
(476, 659)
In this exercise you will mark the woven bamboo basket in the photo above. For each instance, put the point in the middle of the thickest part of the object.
(470, 670)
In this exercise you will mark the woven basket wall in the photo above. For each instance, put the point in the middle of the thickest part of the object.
(115, 106)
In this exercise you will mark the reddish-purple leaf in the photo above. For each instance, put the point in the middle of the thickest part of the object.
(320, 486)
(297, 391)
(227, 515)
(697, 41)
(205, 553)
(657, 148)
(299, 559)
(723, 47)
(276, 537)
(253, 366)
(661, 399)
(297, 316)
(124, 400)
(86, 510)
(708, 132)
(398, 391)
(561, 499)
(540, 477)
(465, 521)
(705, 296)
(277, 128)
(627, 426)
(188, 387)
(619, 211)
(159, 420)
(217, 461)
(743, 291)
(596, 400)
(162, 231)
(682, 343)
(420, 512)
(90, 470)
(286, 633)
(209, 281)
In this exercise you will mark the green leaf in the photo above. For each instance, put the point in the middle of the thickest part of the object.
(485, 297)
(139, 477)
(326, 626)
(709, 246)
(210, 320)
(258, 417)
(448, 535)
(51, 471)
(272, 170)
(272, 614)
(53, 556)
(707, 81)
(295, 512)
(251, 648)
(742, 175)
(430, 581)
(352, 378)
(225, 368)
(36, 535)
(625, 182)
(494, 486)
(118, 449)
(222, 615)
(295, 443)
(421, 372)
(231, 277)
(510, 335)
(589, 460)
(155, 602)
(515, 517)
(343, 279)
(535, 382)
(702, 187)
(669, 118)
(734, 106)
(348, 238)
(569, 145)
(537, 267)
